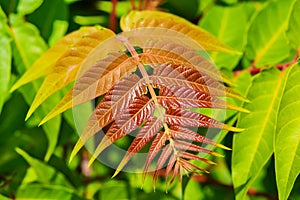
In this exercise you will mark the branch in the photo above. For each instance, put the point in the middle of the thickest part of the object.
(253, 70)
(112, 16)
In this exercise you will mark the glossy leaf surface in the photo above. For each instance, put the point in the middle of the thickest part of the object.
(287, 138)
(5, 57)
(143, 19)
(253, 147)
(267, 43)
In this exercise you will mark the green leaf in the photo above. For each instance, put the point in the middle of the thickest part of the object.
(28, 47)
(253, 147)
(57, 12)
(287, 139)
(113, 189)
(43, 172)
(186, 9)
(267, 43)
(5, 58)
(28, 6)
(229, 25)
(43, 192)
(294, 26)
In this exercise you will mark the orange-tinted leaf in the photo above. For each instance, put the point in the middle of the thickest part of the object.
(139, 110)
(180, 117)
(156, 145)
(65, 67)
(47, 61)
(147, 132)
(143, 19)
(110, 106)
(165, 155)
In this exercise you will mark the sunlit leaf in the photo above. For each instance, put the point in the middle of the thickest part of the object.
(66, 67)
(294, 26)
(253, 147)
(5, 57)
(28, 6)
(229, 25)
(267, 43)
(143, 19)
(47, 61)
(287, 138)
(155, 52)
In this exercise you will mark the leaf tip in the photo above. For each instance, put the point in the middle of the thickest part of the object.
(75, 150)
(223, 147)
(116, 173)
(231, 128)
(91, 161)
(216, 154)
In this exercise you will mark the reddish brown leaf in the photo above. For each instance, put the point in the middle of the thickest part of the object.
(147, 132)
(110, 107)
(138, 110)
(180, 117)
(156, 145)
(165, 155)
(178, 132)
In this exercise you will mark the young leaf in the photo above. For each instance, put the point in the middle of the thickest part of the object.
(46, 62)
(147, 18)
(117, 65)
(287, 138)
(66, 67)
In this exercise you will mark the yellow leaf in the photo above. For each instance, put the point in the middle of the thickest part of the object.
(64, 69)
(147, 18)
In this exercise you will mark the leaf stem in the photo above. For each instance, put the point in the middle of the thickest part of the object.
(145, 75)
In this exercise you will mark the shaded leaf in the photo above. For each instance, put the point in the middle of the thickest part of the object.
(43, 172)
(37, 191)
(28, 46)
(55, 23)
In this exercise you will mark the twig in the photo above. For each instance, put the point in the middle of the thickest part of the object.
(112, 16)
(132, 5)
(253, 70)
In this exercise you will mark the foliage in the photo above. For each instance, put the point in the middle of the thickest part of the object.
(153, 91)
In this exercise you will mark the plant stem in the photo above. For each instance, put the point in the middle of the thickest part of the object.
(112, 16)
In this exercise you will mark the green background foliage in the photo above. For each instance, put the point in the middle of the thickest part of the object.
(265, 159)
